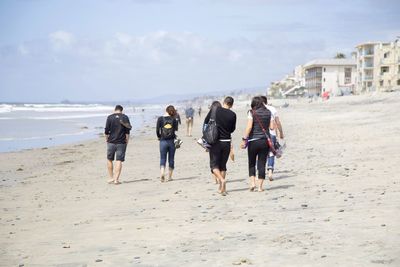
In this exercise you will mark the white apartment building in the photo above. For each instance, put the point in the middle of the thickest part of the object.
(299, 75)
(335, 76)
(378, 66)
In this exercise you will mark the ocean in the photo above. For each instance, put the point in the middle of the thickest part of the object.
(26, 126)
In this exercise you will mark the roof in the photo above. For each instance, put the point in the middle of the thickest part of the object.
(367, 43)
(331, 62)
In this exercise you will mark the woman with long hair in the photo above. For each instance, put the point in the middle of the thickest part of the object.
(255, 139)
(166, 127)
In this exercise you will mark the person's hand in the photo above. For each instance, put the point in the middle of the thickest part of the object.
(232, 155)
(281, 136)
(243, 144)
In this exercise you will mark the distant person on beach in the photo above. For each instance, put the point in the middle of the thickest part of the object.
(117, 136)
(220, 151)
(276, 126)
(166, 127)
(200, 111)
(189, 112)
(178, 118)
(255, 140)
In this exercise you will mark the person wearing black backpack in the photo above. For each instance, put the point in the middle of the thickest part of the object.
(165, 130)
(225, 120)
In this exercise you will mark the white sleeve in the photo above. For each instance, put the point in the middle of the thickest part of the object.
(249, 115)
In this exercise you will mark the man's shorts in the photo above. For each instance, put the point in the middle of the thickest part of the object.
(116, 151)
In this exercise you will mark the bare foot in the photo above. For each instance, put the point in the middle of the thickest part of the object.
(260, 189)
(162, 179)
(110, 181)
(117, 182)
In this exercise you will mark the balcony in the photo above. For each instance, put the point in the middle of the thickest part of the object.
(368, 52)
(368, 78)
(368, 65)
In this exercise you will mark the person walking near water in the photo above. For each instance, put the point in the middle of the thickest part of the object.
(166, 127)
(199, 111)
(189, 112)
(255, 139)
(117, 137)
(225, 120)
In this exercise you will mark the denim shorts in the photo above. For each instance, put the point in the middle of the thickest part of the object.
(116, 151)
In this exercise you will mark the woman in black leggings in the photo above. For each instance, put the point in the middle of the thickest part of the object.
(259, 119)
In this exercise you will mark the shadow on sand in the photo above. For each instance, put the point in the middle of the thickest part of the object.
(267, 189)
(187, 178)
(135, 181)
(280, 187)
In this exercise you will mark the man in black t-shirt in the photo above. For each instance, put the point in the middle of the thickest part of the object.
(117, 136)
(225, 119)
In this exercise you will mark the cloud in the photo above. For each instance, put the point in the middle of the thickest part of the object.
(155, 63)
(61, 40)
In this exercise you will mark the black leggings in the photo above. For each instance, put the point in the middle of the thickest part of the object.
(257, 152)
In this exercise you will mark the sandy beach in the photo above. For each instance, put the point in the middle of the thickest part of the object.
(335, 200)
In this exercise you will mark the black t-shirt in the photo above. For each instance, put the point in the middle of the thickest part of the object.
(115, 130)
(226, 122)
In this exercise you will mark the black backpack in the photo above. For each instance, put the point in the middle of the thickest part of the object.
(210, 131)
(167, 129)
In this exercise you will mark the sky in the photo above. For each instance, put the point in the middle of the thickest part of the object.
(113, 50)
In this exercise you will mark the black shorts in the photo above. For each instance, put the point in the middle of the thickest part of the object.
(116, 151)
(219, 155)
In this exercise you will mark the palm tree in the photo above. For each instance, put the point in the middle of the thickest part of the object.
(340, 55)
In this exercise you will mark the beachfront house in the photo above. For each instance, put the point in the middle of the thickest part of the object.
(378, 66)
(336, 76)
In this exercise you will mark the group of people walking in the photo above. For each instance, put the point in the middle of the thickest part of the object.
(259, 138)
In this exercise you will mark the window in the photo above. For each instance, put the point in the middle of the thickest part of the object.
(384, 70)
(381, 82)
(324, 79)
(398, 82)
(347, 75)
(324, 69)
(386, 55)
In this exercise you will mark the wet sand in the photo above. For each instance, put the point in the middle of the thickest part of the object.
(335, 200)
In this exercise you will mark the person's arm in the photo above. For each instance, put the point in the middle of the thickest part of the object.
(175, 125)
(107, 128)
(279, 125)
(127, 130)
(233, 124)
(158, 127)
(247, 132)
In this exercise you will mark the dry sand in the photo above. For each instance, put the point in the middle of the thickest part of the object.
(335, 200)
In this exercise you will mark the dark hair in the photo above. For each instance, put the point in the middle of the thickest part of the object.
(215, 104)
(257, 103)
(229, 101)
(171, 110)
(264, 99)
(119, 107)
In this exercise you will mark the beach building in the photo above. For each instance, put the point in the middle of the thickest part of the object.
(299, 75)
(378, 66)
(336, 76)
